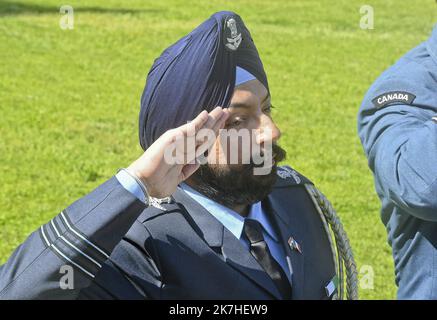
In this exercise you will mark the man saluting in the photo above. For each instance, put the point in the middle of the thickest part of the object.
(239, 227)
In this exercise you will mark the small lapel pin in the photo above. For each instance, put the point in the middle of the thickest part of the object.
(294, 245)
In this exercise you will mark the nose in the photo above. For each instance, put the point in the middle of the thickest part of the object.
(268, 130)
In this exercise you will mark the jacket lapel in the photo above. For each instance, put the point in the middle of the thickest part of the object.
(282, 218)
(216, 235)
(238, 257)
(204, 223)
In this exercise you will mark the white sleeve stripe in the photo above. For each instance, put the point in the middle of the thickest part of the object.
(71, 261)
(74, 247)
(63, 255)
(45, 238)
(54, 227)
(81, 252)
(82, 237)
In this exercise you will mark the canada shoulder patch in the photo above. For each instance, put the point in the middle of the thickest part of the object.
(393, 97)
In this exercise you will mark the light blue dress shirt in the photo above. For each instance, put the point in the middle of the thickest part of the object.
(230, 219)
(130, 185)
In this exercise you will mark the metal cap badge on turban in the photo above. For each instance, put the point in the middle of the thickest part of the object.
(197, 73)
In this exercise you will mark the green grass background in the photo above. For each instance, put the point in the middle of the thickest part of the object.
(69, 100)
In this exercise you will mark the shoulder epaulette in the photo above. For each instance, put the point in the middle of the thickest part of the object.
(287, 176)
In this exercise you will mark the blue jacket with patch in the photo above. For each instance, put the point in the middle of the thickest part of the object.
(398, 130)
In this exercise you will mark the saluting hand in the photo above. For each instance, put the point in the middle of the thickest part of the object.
(160, 176)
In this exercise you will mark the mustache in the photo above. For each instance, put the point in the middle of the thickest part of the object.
(230, 186)
(278, 155)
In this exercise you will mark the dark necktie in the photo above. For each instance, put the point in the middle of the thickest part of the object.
(260, 250)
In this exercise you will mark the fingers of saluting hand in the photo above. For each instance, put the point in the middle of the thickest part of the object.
(195, 125)
(204, 120)
(205, 138)
(171, 158)
(199, 133)
(216, 121)
(215, 117)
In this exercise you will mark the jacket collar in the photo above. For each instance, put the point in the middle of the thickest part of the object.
(216, 235)
(208, 227)
(232, 221)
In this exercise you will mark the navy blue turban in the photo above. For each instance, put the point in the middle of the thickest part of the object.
(197, 73)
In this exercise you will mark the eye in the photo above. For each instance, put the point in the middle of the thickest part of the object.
(268, 109)
(236, 121)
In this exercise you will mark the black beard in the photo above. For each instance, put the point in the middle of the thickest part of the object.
(231, 186)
